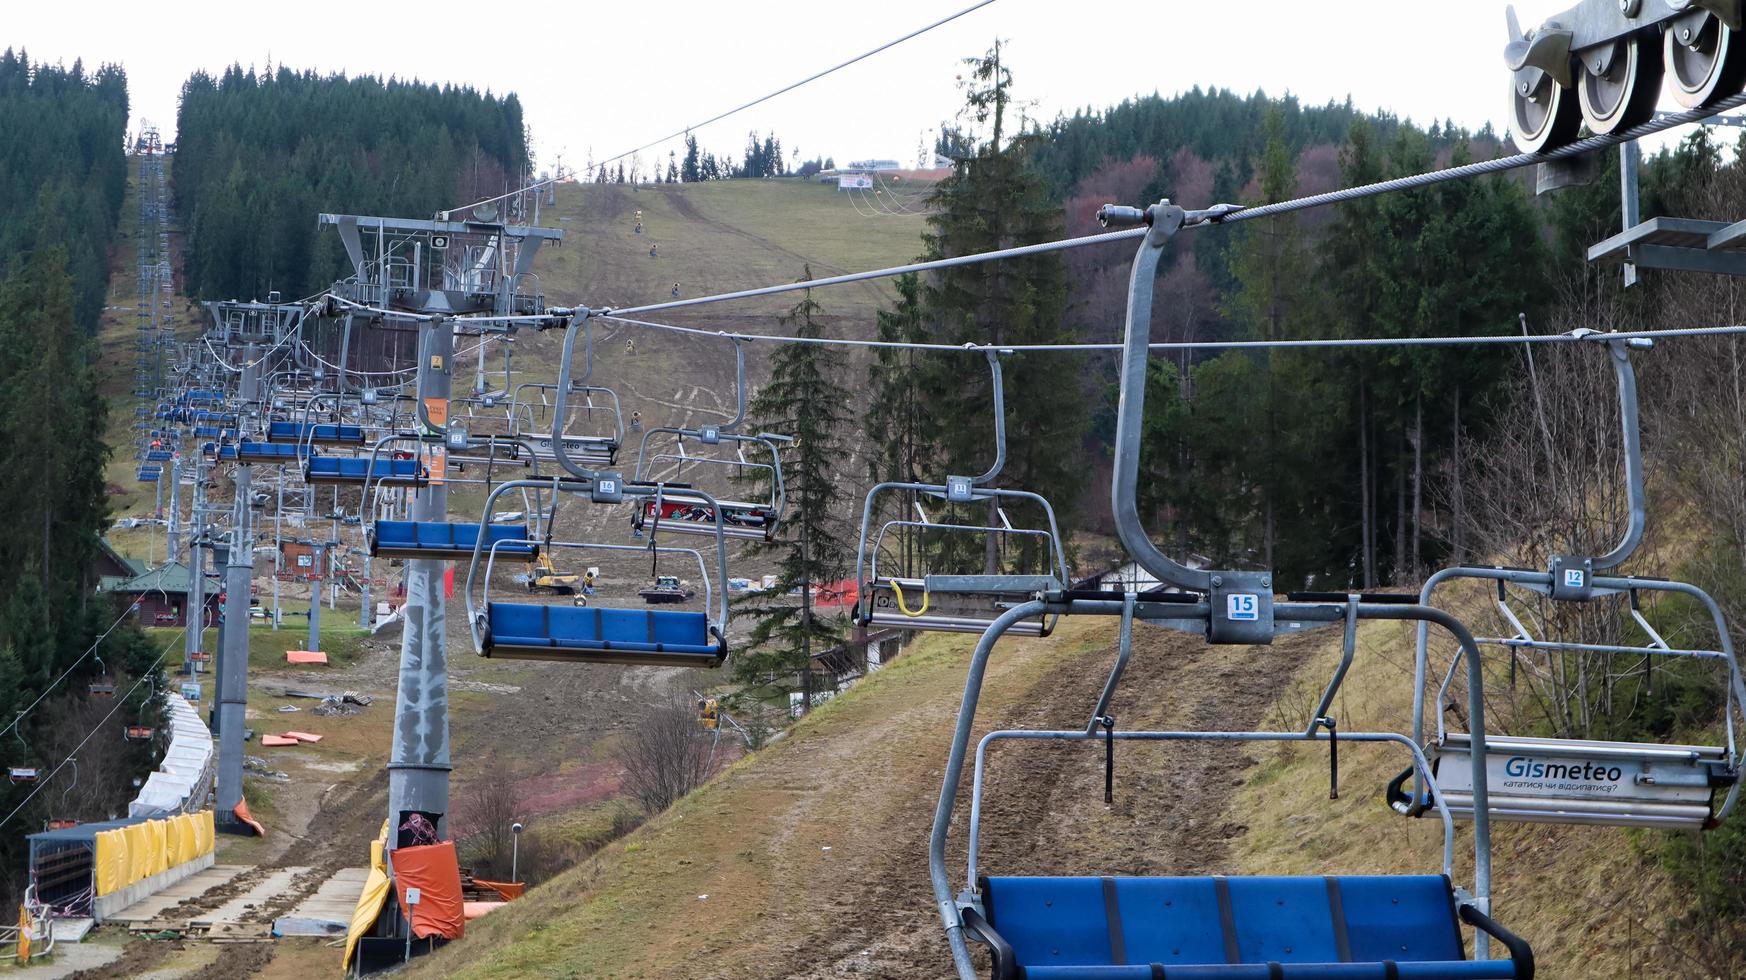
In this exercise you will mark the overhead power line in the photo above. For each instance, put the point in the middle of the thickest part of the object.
(120, 702)
(815, 76)
(718, 117)
(1486, 340)
(1416, 181)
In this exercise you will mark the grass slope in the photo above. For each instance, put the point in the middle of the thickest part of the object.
(808, 859)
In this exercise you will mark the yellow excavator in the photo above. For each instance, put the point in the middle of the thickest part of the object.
(546, 577)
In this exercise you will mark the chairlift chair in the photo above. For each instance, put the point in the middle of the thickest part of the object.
(958, 603)
(596, 633)
(1292, 928)
(316, 433)
(598, 449)
(1577, 780)
(402, 470)
(138, 733)
(22, 775)
(684, 511)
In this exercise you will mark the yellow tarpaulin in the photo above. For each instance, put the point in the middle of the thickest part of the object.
(157, 847)
(203, 832)
(132, 854)
(375, 895)
(110, 862)
(138, 843)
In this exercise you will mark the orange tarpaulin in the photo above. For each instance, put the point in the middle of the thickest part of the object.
(305, 657)
(303, 736)
(508, 889)
(476, 909)
(272, 740)
(243, 814)
(435, 871)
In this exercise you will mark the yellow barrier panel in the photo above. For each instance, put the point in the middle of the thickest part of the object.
(186, 847)
(127, 855)
(161, 846)
(138, 842)
(110, 862)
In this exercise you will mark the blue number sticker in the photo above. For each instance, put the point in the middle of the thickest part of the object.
(1243, 607)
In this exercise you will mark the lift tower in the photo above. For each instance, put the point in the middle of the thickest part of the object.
(433, 272)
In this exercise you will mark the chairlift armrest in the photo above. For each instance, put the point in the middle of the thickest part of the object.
(1104, 595)
(978, 928)
(1377, 598)
(1398, 798)
(1521, 954)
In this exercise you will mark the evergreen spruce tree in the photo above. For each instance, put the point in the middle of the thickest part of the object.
(993, 199)
(805, 399)
(896, 425)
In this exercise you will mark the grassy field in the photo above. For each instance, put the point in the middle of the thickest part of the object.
(341, 640)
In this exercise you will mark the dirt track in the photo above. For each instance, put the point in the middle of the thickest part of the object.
(1043, 810)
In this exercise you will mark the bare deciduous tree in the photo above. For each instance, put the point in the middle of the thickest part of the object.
(488, 811)
(666, 755)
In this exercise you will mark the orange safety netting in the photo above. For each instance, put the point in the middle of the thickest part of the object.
(435, 871)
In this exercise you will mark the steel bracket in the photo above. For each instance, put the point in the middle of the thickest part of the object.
(1572, 578)
(1241, 608)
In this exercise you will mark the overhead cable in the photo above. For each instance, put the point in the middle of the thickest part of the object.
(815, 76)
(120, 702)
(1486, 340)
(1415, 181)
(54, 683)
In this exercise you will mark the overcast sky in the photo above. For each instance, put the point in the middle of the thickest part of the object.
(608, 76)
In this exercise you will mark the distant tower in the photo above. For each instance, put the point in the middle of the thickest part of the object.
(923, 159)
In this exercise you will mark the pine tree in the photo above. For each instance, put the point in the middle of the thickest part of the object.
(994, 200)
(895, 424)
(805, 398)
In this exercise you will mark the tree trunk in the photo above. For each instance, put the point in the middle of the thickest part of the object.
(1457, 510)
(1418, 480)
(1400, 508)
(1366, 492)
(805, 624)
(991, 542)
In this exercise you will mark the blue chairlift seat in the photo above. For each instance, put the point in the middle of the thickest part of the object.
(213, 450)
(448, 542)
(158, 455)
(272, 452)
(150, 474)
(318, 433)
(211, 432)
(1262, 928)
(660, 637)
(356, 470)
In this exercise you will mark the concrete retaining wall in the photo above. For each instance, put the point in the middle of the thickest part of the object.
(107, 905)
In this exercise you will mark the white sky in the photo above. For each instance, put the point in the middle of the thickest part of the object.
(608, 75)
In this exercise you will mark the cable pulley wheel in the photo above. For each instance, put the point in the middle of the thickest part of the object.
(1625, 94)
(1704, 64)
(1543, 115)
